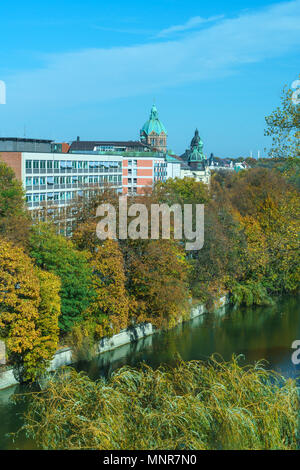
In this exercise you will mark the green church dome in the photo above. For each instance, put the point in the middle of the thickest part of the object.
(153, 124)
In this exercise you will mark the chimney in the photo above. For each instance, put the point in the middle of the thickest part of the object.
(78, 138)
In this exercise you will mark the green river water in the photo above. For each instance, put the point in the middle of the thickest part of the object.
(256, 332)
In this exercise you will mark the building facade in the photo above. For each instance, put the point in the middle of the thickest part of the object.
(60, 178)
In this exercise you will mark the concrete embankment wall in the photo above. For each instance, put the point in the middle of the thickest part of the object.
(63, 357)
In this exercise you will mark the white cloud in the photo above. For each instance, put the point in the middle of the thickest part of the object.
(94, 75)
(190, 24)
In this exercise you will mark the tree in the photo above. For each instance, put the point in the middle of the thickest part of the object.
(158, 280)
(58, 255)
(110, 308)
(14, 219)
(49, 310)
(284, 127)
(268, 210)
(181, 191)
(28, 318)
(193, 405)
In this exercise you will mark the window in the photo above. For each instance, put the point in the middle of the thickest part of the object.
(74, 165)
(42, 180)
(80, 165)
(35, 181)
(28, 164)
(56, 180)
(56, 164)
(62, 180)
(49, 165)
(42, 164)
(43, 197)
(35, 164)
(28, 181)
(28, 198)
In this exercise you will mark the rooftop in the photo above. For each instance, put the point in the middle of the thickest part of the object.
(23, 139)
(153, 124)
(89, 145)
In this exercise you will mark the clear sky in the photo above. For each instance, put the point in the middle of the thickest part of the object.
(93, 68)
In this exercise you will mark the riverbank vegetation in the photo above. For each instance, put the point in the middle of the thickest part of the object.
(195, 405)
(56, 290)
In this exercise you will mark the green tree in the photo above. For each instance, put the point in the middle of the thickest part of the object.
(14, 219)
(284, 127)
(181, 191)
(58, 255)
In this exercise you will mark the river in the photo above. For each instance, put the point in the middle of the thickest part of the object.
(256, 332)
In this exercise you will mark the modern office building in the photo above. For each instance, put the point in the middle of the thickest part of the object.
(59, 178)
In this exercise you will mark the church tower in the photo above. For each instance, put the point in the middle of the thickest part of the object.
(196, 157)
(154, 132)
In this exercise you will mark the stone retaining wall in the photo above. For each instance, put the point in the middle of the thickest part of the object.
(63, 357)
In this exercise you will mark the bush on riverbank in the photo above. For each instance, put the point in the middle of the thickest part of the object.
(195, 405)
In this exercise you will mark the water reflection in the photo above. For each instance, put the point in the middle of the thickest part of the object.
(257, 332)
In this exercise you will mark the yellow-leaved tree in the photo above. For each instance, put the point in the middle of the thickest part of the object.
(28, 317)
(110, 308)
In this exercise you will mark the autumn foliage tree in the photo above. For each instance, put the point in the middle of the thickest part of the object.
(111, 306)
(158, 280)
(28, 316)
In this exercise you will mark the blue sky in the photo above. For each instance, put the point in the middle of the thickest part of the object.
(94, 68)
